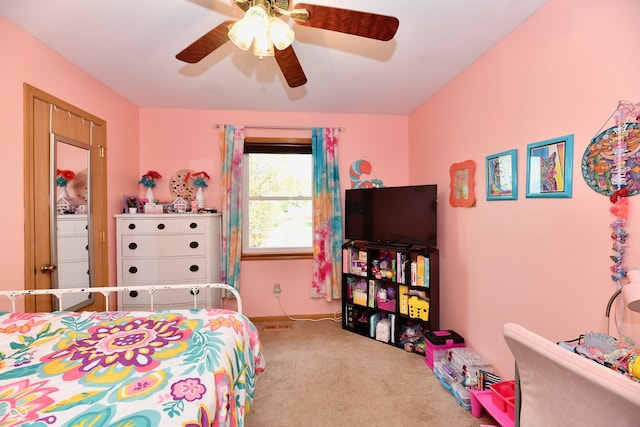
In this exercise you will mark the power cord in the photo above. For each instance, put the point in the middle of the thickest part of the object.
(337, 315)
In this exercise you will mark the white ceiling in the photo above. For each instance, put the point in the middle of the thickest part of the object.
(130, 46)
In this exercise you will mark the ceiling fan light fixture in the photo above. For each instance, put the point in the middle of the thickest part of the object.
(254, 23)
(241, 34)
(280, 33)
(301, 15)
(262, 47)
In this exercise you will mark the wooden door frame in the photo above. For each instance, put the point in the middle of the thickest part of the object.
(34, 128)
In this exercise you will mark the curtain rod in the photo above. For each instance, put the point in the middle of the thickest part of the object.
(218, 126)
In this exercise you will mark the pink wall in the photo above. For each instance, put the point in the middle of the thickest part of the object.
(32, 62)
(541, 262)
(171, 140)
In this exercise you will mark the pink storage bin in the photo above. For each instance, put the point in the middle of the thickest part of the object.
(511, 403)
(388, 305)
(502, 393)
(437, 341)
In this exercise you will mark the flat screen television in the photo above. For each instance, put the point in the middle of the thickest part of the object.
(404, 215)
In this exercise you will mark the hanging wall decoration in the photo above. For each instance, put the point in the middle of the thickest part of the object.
(550, 167)
(357, 173)
(461, 184)
(502, 176)
(611, 167)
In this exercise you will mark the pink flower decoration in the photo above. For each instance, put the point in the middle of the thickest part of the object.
(189, 389)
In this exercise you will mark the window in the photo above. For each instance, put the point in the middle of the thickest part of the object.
(278, 204)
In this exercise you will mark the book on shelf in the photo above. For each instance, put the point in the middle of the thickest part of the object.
(420, 271)
(392, 317)
(403, 298)
(373, 292)
(373, 323)
(401, 267)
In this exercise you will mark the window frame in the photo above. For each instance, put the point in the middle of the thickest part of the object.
(269, 145)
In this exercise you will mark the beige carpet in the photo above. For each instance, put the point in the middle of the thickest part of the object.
(318, 375)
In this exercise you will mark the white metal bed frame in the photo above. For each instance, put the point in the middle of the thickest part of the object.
(107, 290)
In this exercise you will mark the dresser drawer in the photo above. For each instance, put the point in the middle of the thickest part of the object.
(73, 274)
(156, 225)
(73, 248)
(69, 225)
(158, 245)
(168, 270)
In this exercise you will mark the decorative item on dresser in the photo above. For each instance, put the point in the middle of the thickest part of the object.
(168, 249)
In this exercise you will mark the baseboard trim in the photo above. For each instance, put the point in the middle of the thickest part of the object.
(266, 319)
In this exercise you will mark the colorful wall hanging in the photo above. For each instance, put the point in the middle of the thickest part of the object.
(611, 166)
(461, 193)
(358, 169)
(502, 176)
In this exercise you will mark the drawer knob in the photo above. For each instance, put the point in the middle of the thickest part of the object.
(193, 225)
(197, 291)
(133, 245)
(194, 268)
(133, 294)
(161, 226)
(133, 270)
(193, 245)
(87, 248)
(132, 226)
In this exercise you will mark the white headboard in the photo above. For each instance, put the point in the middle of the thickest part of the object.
(107, 291)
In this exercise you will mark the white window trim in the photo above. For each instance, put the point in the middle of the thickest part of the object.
(246, 250)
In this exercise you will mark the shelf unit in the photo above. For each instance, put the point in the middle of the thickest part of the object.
(390, 292)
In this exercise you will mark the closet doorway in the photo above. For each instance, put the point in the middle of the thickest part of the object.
(47, 121)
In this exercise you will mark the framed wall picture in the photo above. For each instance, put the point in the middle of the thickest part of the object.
(461, 185)
(550, 167)
(502, 176)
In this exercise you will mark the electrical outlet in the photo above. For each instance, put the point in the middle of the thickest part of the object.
(276, 290)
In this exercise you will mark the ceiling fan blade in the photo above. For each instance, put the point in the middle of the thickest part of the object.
(363, 24)
(290, 66)
(206, 44)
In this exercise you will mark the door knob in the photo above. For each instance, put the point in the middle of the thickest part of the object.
(48, 268)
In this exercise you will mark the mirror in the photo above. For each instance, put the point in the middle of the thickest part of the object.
(70, 221)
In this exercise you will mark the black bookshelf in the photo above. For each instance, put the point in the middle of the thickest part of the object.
(390, 292)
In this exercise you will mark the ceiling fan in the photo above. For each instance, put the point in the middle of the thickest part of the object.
(262, 27)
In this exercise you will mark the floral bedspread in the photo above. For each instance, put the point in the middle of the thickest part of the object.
(127, 369)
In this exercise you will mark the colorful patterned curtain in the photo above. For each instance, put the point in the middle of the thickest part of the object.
(327, 216)
(232, 151)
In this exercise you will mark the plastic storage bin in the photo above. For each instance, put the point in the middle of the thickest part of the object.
(438, 341)
(503, 395)
(452, 381)
(388, 305)
(462, 396)
(466, 361)
(418, 308)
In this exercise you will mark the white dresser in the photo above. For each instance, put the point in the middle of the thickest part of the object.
(73, 257)
(165, 249)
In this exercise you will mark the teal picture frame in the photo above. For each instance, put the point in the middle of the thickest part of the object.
(502, 175)
(550, 168)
